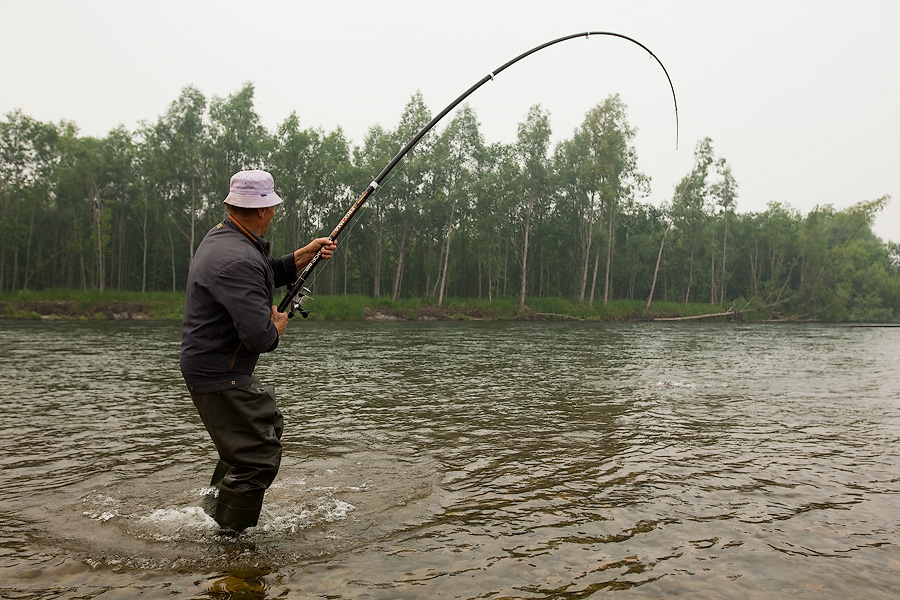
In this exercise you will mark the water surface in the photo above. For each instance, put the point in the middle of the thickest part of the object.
(465, 460)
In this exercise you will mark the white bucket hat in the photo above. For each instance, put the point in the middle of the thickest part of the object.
(252, 189)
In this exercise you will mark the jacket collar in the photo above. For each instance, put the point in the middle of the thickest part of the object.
(261, 243)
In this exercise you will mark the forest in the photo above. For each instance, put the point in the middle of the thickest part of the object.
(460, 217)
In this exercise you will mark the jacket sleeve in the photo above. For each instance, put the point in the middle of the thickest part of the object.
(241, 288)
(284, 268)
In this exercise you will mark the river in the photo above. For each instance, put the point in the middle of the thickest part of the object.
(464, 460)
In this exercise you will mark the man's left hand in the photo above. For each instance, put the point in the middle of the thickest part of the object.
(303, 255)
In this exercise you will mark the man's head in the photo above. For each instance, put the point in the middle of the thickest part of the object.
(252, 199)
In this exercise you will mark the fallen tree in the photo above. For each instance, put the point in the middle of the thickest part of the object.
(732, 315)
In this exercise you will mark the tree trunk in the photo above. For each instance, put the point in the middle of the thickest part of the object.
(97, 206)
(658, 260)
(713, 284)
(754, 261)
(480, 278)
(376, 284)
(687, 294)
(378, 227)
(28, 248)
(398, 276)
(525, 249)
(193, 220)
(83, 273)
(541, 273)
(584, 266)
(722, 265)
(401, 254)
(594, 278)
(443, 285)
(609, 252)
(587, 252)
(144, 250)
(346, 262)
(505, 267)
(172, 254)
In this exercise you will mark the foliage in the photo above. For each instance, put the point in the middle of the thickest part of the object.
(470, 227)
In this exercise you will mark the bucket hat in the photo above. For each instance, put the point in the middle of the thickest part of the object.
(252, 189)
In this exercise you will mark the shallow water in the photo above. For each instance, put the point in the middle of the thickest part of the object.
(464, 460)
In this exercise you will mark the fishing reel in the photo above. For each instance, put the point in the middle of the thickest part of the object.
(299, 301)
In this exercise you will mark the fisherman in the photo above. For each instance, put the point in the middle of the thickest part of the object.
(229, 320)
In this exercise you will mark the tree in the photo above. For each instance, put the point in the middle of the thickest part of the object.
(689, 213)
(462, 152)
(312, 171)
(846, 284)
(148, 200)
(182, 137)
(375, 152)
(237, 139)
(578, 200)
(612, 168)
(532, 146)
(117, 186)
(456, 217)
(403, 198)
(724, 193)
(498, 190)
(28, 155)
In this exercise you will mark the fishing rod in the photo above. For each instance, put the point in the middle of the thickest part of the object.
(298, 294)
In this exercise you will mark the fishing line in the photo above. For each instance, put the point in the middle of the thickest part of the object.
(298, 293)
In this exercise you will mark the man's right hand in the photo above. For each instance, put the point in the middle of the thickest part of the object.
(280, 319)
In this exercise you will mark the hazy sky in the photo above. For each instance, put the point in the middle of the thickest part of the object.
(801, 98)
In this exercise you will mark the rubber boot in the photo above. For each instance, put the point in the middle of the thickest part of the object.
(239, 511)
(208, 502)
(219, 474)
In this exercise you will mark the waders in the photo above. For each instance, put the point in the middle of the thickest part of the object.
(245, 425)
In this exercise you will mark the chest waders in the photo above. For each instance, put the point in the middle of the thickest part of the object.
(246, 426)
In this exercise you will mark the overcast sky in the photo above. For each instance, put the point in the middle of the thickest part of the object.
(801, 98)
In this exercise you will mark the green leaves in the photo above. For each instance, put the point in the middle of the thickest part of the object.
(458, 217)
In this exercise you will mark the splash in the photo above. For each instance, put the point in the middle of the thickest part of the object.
(331, 506)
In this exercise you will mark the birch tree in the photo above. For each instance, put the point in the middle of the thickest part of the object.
(532, 146)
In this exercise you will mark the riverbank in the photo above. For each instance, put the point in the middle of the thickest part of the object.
(91, 305)
(94, 305)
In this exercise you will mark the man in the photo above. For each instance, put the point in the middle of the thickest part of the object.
(229, 320)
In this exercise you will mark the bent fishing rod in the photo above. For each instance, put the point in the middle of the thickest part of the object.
(298, 293)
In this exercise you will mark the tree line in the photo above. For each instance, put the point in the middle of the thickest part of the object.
(459, 217)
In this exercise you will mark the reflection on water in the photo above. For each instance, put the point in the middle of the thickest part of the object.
(517, 460)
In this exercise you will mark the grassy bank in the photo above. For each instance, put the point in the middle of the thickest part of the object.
(94, 305)
(91, 305)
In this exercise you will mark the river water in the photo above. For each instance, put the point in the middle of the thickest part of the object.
(464, 460)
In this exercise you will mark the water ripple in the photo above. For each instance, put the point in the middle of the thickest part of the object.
(472, 460)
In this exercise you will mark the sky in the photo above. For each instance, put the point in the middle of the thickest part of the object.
(801, 98)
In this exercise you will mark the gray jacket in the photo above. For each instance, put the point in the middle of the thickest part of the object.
(227, 307)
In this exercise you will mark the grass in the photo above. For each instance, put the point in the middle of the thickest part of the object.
(92, 304)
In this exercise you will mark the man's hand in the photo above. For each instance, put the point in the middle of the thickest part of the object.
(303, 255)
(280, 319)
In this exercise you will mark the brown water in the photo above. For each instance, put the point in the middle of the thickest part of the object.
(473, 460)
